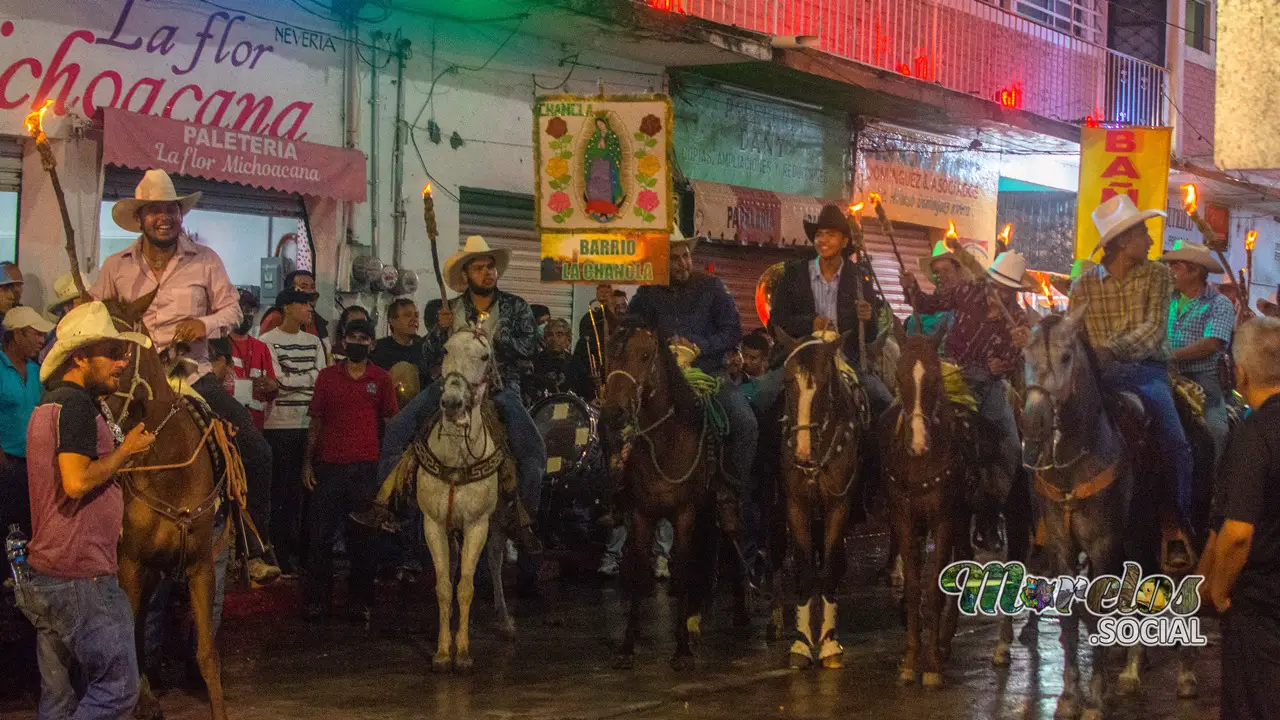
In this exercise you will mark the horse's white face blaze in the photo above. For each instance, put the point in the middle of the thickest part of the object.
(804, 413)
(466, 361)
(919, 436)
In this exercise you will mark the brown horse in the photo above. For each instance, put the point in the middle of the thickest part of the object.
(671, 472)
(169, 513)
(822, 432)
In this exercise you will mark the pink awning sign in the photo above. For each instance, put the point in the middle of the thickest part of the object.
(145, 142)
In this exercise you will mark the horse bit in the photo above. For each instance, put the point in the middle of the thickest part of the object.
(1054, 463)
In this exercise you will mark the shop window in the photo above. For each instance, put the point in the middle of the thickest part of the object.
(1198, 25)
(8, 225)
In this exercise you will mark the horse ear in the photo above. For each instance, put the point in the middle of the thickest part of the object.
(786, 341)
(1075, 315)
(899, 331)
(136, 309)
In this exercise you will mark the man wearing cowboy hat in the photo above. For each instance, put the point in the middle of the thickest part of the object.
(474, 271)
(194, 300)
(1127, 324)
(1201, 321)
(946, 272)
(69, 591)
(23, 330)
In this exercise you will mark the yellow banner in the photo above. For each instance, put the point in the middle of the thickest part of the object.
(1129, 161)
(589, 258)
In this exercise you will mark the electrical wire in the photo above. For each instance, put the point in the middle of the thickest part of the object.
(436, 184)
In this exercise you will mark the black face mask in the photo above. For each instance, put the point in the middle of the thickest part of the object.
(357, 352)
(246, 324)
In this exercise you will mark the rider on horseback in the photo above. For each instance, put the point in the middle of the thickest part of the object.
(1126, 324)
(507, 319)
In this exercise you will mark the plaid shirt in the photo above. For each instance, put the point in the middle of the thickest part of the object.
(973, 338)
(1210, 315)
(1129, 317)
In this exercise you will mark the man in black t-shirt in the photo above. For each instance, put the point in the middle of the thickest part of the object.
(404, 344)
(1241, 562)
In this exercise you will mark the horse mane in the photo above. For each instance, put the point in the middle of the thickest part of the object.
(682, 395)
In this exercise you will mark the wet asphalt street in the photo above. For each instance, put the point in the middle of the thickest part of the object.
(276, 666)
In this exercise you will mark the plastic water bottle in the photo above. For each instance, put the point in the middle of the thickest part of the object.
(15, 548)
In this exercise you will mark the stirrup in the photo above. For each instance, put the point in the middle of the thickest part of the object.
(1168, 544)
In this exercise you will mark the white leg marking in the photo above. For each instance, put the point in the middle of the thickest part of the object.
(804, 415)
(830, 646)
(919, 442)
(805, 626)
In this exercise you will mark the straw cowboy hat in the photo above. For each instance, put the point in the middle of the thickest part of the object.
(84, 325)
(942, 252)
(454, 268)
(831, 218)
(65, 290)
(678, 238)
(155, 187)
(1010, 270)
(1193, 253)
(1117, 215)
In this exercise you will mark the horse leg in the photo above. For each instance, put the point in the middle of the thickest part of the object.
(704, 557)
(472, 544)
(909, 547)
(637, 578)
(138, 584)
(961, 549)
(1130, 680)
(497, 552)
(944, 538)
(1101, 667)
(831, 652)
(801, 655)
(686, 624)
(777, 560)
(438, 542)
(1188, 685)
(200, 580)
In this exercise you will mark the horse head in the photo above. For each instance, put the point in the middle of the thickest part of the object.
(143, 377)
(1060, 372)
(812, 376)
(920, 385)
(466, 374)
(643, 373)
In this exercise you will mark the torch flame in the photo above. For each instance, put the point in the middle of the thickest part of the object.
(1189, 198)
(35, 120)
(874, 197)
(1007, 233)
(1047, 288)
(1250, 239)
(951, 231)
(426, 190)
(856, 208)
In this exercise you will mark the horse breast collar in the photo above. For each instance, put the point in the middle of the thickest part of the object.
(454, 474)
(1083, 491)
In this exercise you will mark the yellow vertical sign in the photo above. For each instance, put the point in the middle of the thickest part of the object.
(1122, 161)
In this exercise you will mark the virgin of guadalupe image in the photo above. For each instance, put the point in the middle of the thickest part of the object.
(602, 168)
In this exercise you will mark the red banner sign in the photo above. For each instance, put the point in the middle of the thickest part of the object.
(213, 153)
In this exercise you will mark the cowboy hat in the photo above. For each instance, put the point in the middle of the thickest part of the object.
(1010, 270)
(942, 252)
(156, 187)
(678, 238)
(1193, 253)
(454, 268)
(23, 316)
(831, 218)
(65, 290)
(1118, 214)
(84, 325)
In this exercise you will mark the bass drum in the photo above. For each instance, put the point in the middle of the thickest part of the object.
(574, 483)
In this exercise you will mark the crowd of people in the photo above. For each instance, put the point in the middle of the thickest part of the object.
(322, 417)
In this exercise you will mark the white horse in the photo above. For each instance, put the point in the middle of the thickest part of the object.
(458, 491)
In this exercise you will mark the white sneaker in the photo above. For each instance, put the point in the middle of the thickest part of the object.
(661, 568)
(512, 555)
(609, 566)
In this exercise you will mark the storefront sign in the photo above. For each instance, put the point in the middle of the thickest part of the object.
(736, 139)
(925, 180)
(601, 164)
(1129, 161)
(629, 259)
(743, 215)
(182, 60)
(143, 142)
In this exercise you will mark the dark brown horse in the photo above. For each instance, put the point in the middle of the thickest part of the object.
(169, 513)
(822, 431)
(671, 471)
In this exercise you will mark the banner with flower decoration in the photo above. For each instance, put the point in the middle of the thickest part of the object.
(601, 164)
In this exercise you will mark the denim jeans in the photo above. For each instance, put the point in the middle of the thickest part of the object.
(663, 539)
(993, 406)
(85, 621)
(155, 621)
(743, 433)
(1215, 408)
(1150, 381)
(526, 443)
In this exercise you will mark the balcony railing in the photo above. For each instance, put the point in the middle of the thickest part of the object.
(975, 47)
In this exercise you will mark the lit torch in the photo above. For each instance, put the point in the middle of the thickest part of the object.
(1004, 238)
(429, 215)
(1250, 239)
(952, 238)
(855, 224)
(1190, 203)
(1048, 291)
(35, 126)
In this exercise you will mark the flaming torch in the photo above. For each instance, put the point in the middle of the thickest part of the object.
(1189, 205)
(35, 126)
(429, 215)
(887, 227)
(1250, 239)
(1048, 291)
(855, 224)
(952, 238)
(1004, 239)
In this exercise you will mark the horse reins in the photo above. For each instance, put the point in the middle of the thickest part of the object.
(1054, 464)
(842, 432)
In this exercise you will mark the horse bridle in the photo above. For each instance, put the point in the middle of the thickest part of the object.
(810, 468)
(1056, 431)
(115, 424)
(492, 378)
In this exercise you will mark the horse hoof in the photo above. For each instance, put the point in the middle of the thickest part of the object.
(1067, 709)
(507, 629)
(624, 662)
(1002, 656)
(906, 676)
(1188, 687)
(463, 663)
(799, 662)
(683, 663)
(1091, 714)
(931, 680)
(1128, 684)
(834, 662)
(441, 664)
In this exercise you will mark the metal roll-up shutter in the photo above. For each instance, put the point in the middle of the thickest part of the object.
(10, 164)
(119, 182)
(740, 267)
(506, 220)
(913, 244)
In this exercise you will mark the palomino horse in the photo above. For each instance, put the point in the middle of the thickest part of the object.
(457, 471)
(672, 472)
(169, 511)
(823, 428)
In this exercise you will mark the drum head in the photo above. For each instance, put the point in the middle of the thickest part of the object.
(568, 429)
(404, 376)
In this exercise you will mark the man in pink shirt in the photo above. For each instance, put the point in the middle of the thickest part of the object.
(194, 301)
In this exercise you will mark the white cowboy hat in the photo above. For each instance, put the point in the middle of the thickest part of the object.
(942, 252)
(65, 290)
(23, 316)
(678, 238)
(1010, 270)
(86, 324)
(1194, 253)
(155, 187)
(1117, 215)
(475, 247)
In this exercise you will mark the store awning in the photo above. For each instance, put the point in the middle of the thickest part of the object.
(742, 215)
(147, 142)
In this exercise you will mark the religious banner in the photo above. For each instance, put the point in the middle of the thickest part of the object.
(1114, 161)
(628, 259)
(601, 164)
(929, 180)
